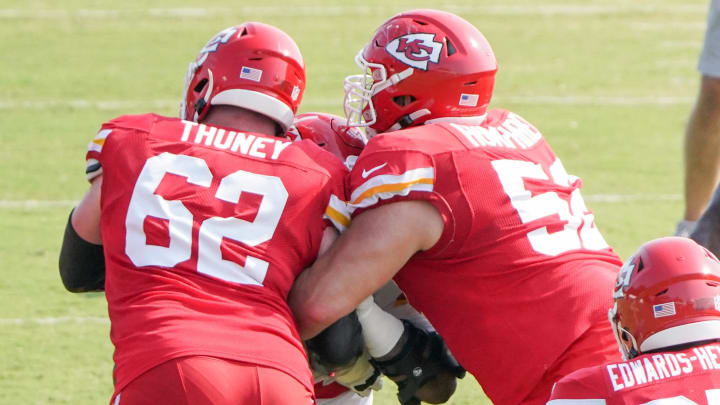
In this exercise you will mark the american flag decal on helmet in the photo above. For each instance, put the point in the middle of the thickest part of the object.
(662, 310)
(468, 100)
(251, 73)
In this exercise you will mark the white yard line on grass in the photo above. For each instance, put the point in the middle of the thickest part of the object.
(33, 204)
(660, 100)
(335, 10)
(611, 198)
(54, 320)
(622, 198)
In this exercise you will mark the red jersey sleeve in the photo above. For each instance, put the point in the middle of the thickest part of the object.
(337, 212)
(385, 174)
(93, 159)
(583, 387)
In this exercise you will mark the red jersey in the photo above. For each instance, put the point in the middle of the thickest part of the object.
(520, 266)
(204, 231)
(691, 376)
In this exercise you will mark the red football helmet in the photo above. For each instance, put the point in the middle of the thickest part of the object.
(667, 294)
(329, 132)
(420, 65)
(254, 66)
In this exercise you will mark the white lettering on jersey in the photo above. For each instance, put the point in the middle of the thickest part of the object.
(626, 374)
(703, 358)
(683, 359)
(662, 366)
(713, 356)
(579, 230)
(222, 139)
(212, 231)
(638, 372)
(513, 133)
(614, 378)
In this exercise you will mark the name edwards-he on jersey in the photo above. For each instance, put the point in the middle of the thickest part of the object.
(656, 367)
(219, 138)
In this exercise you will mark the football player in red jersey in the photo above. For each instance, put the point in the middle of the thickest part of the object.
(330, 132)
(196, 228)
(666, 319)
(426, 371)
(469, 211)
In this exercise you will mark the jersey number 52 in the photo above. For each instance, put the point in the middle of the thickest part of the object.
(579, 230)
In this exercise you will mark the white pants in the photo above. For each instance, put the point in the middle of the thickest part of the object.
(347, 398)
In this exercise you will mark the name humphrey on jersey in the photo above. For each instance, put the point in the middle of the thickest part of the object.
(514, 133)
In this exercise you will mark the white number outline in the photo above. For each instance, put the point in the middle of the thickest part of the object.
(712, 396)
(579, 231)
(144, 202)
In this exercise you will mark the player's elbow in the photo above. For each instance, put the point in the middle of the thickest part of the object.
(313, 317)
(77, 280)
(81, 263)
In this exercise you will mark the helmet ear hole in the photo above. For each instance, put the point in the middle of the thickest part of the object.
(200, 86)
(450, 48)
(402, 101)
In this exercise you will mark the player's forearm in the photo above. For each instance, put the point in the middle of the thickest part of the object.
(363, 259)
(81, 263)
(315, 301)
(82, 260)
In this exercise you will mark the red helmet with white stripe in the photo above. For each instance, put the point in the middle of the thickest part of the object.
(329, 132)
(667, 294)
(419, 65)
(254, 66)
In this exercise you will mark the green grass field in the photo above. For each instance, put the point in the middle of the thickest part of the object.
(609, 82)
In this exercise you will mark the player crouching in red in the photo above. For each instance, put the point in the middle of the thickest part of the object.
(666, 319)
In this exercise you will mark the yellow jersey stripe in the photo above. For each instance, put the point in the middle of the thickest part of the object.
(395, 188)
(337, 217)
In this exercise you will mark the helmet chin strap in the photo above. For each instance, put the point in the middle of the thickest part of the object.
(407, 120)
(203, 102)
(633, 351)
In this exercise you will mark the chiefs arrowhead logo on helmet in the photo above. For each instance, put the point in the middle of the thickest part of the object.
(416, 50)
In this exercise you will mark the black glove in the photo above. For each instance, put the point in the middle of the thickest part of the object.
(423, 357)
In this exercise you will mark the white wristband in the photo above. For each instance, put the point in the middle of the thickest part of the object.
(380, 330)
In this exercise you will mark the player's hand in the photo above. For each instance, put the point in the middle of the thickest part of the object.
(362, 377)
(424, 369)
